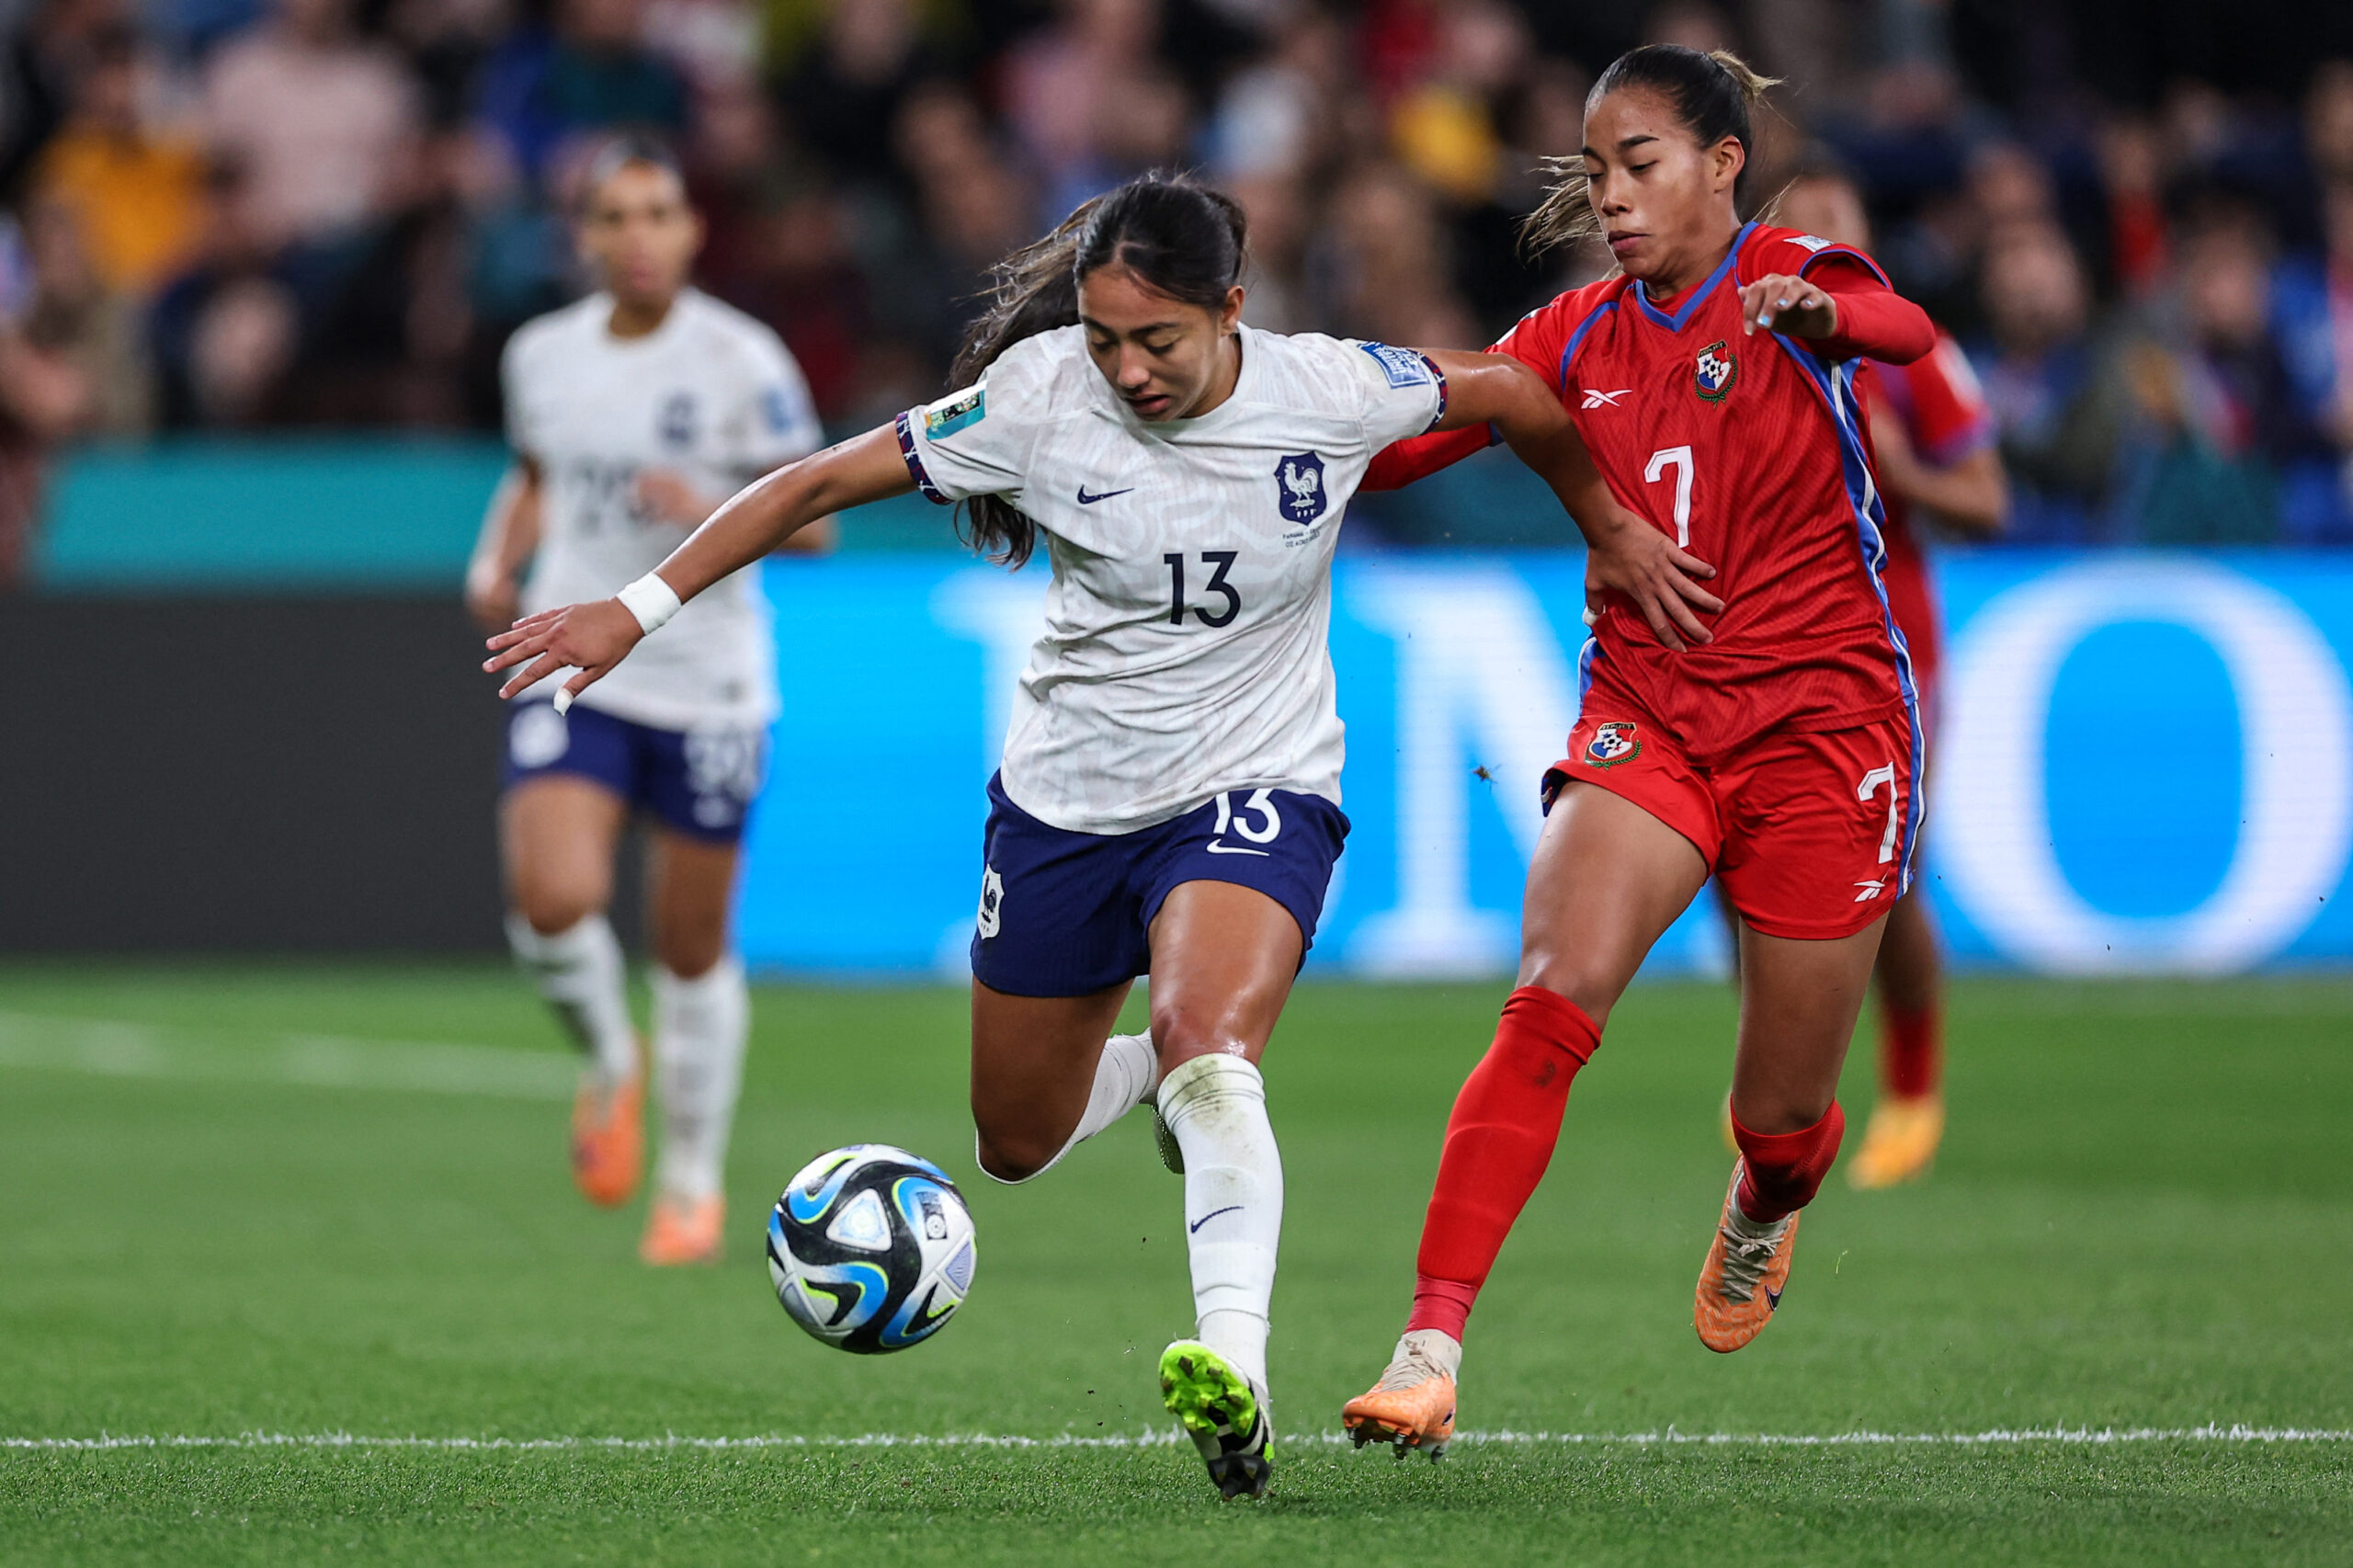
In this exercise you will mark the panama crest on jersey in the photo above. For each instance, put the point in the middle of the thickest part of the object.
(1611, 744)
(1715, 372)
(1299, 488)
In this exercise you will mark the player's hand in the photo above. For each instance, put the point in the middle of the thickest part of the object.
(1779, 303)
(491, 598)
(1634, 559)
(590, 639)
(668, 497)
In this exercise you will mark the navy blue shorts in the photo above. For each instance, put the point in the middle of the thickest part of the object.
(1068, 914)
(700, 783)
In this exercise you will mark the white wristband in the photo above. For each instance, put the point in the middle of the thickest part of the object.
(651, 600)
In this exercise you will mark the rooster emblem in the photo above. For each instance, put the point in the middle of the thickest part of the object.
(1300, 481)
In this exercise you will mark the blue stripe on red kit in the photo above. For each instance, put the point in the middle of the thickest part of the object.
(1836, 386)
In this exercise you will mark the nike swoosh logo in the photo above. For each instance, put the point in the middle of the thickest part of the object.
(1228, 1208)
(1772, 1299)
(1217, 849)
(1086, 500)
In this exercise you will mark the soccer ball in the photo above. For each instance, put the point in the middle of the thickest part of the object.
(871, 1248)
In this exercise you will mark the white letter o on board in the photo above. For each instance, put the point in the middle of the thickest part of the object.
(1993, 822)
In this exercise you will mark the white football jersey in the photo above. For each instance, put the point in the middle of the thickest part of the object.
(1184, 651)
(711, 395)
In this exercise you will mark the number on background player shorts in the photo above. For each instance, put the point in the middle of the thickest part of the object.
(1069, 914)
(1810, 834)
(700, 783)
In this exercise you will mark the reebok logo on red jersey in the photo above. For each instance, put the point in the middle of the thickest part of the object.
(1604, 399)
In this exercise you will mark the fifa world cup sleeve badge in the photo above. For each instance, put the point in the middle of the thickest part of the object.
(1611, 744)
(1715, 372)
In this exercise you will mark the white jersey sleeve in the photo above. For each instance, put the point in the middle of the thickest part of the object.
(979, 441)
(524, 416)
(1404, 392)
(778, 422)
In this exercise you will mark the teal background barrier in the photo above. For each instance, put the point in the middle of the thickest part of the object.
(2144, 763)
(377, 515)
(326, 514)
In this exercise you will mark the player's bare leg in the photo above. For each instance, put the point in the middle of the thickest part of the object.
(1222, 961)
(1799, 1001)
(557, 834)
(1607, 880)
(1038, 1065)
(1907, 1120)
(701, 1026)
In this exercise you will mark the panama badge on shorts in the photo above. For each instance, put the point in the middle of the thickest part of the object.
(1713, 372)
(1611, 744)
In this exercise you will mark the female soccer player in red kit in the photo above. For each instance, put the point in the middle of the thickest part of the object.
(1933, 440)
(1765, 733)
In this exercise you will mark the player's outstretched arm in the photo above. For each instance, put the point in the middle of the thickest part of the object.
(1845, 314)
(510, 534)
(593, 638)
(1623, 552)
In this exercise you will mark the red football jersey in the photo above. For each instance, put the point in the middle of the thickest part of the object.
(1751, 452)
(1941, 408)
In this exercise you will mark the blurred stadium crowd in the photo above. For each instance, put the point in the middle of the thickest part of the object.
(240, 214)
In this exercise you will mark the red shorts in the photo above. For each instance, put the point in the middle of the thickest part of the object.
(1810, 836)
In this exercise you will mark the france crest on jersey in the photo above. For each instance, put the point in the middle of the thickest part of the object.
(1300, 488)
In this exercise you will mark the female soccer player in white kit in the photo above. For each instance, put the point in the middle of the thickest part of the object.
(632, 415)
(1169, 799)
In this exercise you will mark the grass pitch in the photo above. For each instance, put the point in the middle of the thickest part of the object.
(294, 1203)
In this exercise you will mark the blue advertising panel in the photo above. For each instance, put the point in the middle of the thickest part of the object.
(2141, 765)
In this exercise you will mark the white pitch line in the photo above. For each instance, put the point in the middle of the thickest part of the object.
(119, 1049)
(1155, 1438)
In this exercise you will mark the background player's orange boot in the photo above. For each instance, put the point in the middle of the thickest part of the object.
(608, 1140)
(683, 1229)
(1412, 1404)
(1900, 1143)
(1747, 1269)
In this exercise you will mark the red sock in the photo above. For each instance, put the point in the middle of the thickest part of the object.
(1498, 1142)
(1911, 1050)
(1780, 1172)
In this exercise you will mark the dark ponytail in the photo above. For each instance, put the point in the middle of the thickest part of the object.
(1181, 238)
(1713, 95)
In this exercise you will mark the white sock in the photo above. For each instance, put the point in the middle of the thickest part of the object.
(1233, 1201)
(1124, 1076)
(581, 973)
(700, 1028)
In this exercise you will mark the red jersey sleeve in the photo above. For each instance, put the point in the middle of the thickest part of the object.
(1942, 404)
(1538, 340)
(1874, 320)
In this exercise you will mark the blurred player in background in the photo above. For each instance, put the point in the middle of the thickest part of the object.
(632, 415)
(1933, 445)
(1773, 745)
(1169, 799)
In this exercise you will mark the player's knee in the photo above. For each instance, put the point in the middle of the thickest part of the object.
(1181, 1032)
(1776, 1112)
(1594, 989)
(1011, 1153)
(692, 951)
(551, 907)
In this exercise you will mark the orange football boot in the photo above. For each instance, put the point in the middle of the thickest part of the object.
(1412, 1404)
(607, 1139)
(1900, 1143)
(683, 1231)
(1747, 1269)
